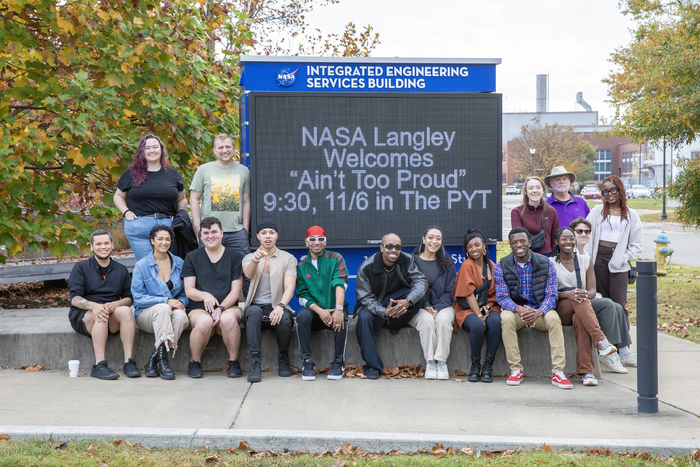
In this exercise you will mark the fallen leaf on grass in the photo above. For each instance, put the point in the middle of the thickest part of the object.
(243, 445)
(211, 459)
(104, 464)
(4, 437)
(118, 442)
(546, 448)
(62, 446)
(231, 449)
(340, 464)
(467, 451)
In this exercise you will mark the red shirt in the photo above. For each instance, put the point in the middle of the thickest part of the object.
(532, 221)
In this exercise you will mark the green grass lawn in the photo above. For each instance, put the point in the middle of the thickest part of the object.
(639, 203)
(102, 454)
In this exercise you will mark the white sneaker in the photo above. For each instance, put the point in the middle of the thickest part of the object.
(442, 371)
(605, 348)
(630, 359)
(613, 363)
(589, 380)
(431, 370)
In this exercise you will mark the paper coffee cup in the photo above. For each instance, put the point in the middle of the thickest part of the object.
(74, 367)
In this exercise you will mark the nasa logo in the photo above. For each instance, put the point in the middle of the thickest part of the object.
(286, 78)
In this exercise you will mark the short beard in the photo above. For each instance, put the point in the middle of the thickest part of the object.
(94, 253)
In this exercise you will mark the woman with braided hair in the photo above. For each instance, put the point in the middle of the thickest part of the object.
(476, 309)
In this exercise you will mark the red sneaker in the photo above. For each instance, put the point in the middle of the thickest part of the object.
(515, 378)
(559, 379)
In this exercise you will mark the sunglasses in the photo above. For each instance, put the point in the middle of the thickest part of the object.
(391, 246)
(583, 231)
(611, 191)
(316, 239)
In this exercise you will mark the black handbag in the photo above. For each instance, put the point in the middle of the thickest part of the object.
(632, 274)
(537, 240)
(482, 292)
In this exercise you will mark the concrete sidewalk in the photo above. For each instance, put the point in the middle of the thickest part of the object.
(378, 415)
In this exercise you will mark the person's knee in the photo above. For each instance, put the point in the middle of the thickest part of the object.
(287, 320)
(229, 321)
(305, 317)
(508, 320)
(551, 318)
(203, 323)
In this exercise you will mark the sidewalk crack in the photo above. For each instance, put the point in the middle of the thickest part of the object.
(240, 407)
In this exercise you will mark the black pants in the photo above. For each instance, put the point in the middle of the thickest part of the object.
(257, 318)
(307, 321)
(612, 285)
(368, 325)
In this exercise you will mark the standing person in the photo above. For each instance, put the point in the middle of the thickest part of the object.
(568, 206)
(100, 297)
(611, 316)
(526, 289)
(213, 282)
(535, 215)
(160, 300)
(576, 288)
(476, 308)
(321, 281)
(438, 314)
(273, 275)
(223, 188)
(616, 239)
(390, 292)
(149, 193)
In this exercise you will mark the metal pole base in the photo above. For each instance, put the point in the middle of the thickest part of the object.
(647, 404)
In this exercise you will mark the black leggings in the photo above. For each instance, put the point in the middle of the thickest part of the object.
(476, 328)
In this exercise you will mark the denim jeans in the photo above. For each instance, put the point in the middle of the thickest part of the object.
(137, 232)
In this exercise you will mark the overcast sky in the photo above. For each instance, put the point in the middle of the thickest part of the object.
(569, 40)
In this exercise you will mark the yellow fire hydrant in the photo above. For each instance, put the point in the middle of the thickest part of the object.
(662, 252)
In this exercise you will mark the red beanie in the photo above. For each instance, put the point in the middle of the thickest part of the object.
(315, 230)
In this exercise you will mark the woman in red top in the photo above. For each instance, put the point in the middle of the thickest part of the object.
(533, 212)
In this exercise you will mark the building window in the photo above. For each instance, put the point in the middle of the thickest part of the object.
(602, 164)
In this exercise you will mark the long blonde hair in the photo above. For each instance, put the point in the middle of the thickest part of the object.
(523, 209)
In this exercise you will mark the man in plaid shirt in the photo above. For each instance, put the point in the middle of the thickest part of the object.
(526, 289)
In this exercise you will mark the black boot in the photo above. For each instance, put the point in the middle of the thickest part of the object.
(152, 365)
(476, 368)
(163, 365)
(488, 366)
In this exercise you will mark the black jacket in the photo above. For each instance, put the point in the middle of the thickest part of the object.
(442, 294)
(370, 287)
(185, 239)
(540, 272)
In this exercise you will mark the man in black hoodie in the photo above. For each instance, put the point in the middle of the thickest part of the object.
(390, 290)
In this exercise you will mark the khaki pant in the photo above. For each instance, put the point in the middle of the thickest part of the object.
(165, 322)
(435, 333)
(511, 322)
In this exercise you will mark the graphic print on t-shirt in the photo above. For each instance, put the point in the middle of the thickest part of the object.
(225, 192)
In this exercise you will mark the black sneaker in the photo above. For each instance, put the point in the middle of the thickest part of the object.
(372, 374)
(337, 370)
(234, 369)
(308, 372)
(255, 372)
(131, 369)
(102, 371)
(194, 369)
(283, 368)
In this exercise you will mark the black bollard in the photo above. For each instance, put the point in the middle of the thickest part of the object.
(647, 340)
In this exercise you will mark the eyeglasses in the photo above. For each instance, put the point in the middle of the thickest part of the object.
(583, 231)
(391, 246)
(611, 191)
(316, 239)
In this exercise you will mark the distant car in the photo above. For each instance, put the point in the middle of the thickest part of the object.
(512, 190)
(590, 192)
(639, 191)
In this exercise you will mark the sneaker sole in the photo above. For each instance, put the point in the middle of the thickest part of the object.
(254, 380)
(335, 376)
(443, 378)
(235, 376)
(590, 383)
(308, 378)
(622, 371)
(611, 351)
(514, 383)
(563, 386)
(106, 378)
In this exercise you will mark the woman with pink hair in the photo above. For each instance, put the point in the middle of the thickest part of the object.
(149, 193)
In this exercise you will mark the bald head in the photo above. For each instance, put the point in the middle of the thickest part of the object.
(390, 249)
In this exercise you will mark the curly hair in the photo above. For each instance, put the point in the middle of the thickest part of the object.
(139, 168)
(615, 180)
(154, 231)
(471, 235)
(557, 234)
(440, 257)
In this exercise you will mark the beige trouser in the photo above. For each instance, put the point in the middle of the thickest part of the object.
(435, 333)
(511, 322)
(165, 322)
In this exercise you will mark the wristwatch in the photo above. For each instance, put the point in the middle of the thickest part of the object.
(411, 304)
(339, 307)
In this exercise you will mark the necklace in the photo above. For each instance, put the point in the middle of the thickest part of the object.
(389, 270)
(566, 262)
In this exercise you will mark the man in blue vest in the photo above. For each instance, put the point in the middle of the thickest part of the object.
(526, 289)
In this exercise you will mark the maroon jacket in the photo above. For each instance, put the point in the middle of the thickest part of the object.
(532, 221)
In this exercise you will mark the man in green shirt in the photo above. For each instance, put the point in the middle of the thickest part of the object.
(321, 281)
(223, 188)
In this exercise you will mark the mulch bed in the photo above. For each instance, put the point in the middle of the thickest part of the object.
(26, 295)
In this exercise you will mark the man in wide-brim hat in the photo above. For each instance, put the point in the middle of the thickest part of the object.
(568, 206)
